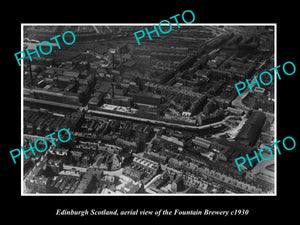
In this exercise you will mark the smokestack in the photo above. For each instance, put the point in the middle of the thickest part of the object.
(112, 91)
(113, 51)
(56, 80)
(113, 60)
(30, 74)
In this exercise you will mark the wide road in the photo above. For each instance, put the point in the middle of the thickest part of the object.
(157, 122)
(122, 116)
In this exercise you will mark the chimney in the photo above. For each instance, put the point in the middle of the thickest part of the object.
(112, 52)
(112, 91)
(30, 74)
(113, 60)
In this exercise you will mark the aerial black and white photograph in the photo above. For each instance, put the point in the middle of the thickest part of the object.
(158, 115)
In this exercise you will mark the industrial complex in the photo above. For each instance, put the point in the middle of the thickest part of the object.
(158, 118)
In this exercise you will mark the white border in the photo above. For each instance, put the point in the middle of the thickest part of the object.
(150, 24)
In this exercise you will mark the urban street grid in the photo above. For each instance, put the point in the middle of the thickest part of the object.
(162, 117)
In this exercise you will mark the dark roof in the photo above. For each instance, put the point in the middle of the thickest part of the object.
(251, 129)
(235, 146)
